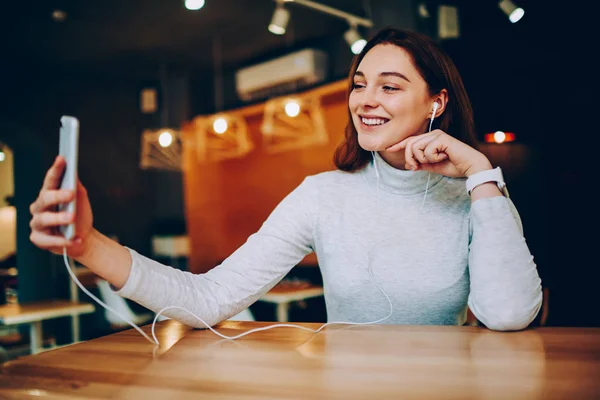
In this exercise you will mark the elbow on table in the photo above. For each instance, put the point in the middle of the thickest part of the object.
(510, 317)
(196, 324)
(508, 324)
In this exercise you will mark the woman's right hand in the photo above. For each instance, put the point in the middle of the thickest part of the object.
(46, 219)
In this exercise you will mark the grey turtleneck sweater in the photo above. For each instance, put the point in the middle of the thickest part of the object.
(429, 249)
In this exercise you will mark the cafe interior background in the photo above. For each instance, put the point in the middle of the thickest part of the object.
(195, 123)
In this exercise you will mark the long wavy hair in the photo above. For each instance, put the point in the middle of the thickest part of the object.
(438, 71)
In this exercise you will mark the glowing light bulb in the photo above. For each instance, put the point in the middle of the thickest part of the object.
(194, 4)
(292, 108)
(165, 139)
(220, 125)
(499, 137)
(516, 15)
(358, 46)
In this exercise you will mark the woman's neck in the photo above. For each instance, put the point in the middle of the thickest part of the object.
(395, 159)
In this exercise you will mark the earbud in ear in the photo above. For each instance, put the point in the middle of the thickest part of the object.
(436, 105)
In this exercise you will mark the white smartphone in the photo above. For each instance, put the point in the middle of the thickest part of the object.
(68, 149)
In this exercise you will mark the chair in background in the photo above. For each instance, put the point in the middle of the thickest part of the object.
(120, 305)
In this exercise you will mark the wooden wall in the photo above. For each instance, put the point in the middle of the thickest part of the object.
(226, 201)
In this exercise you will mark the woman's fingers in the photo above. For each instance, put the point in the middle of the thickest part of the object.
(398, 146)
(413, 154)
(435, 152)
(409, 158)
(45, 240)
(430, 149)
(44, 220)
(49, 198)
(54, 174)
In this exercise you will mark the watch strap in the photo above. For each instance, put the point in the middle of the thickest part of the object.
(490, 175)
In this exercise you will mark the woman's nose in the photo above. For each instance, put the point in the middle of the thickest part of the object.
(369, 99)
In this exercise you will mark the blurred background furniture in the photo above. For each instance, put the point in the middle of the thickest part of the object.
(120, 305)
(174, 249)
(245, 315)
(287, 292)
(34, 313)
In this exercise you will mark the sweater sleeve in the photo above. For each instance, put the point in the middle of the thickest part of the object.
(283, 240)
(506, 291)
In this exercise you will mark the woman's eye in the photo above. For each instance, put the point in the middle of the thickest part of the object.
(390, 88)
(358, 86)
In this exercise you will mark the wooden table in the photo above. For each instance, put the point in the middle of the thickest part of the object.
(358, 362)
(34, 313)
(88, 279)
(284, 293)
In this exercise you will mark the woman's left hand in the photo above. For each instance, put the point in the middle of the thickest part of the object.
(438, 152)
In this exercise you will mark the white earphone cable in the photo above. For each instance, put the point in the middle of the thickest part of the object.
(70, 269)
(154, 339)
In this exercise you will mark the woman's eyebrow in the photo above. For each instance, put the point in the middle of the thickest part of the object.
(396, 74)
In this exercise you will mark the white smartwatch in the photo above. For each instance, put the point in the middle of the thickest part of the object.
(490, 175)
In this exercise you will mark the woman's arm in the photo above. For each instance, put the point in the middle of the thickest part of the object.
(506, 291)
(106, 258)
(284, 239)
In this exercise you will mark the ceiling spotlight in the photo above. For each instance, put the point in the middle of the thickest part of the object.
(59, 15)
(355, 41)
(514, 13)
(194, 4)
(280, 19)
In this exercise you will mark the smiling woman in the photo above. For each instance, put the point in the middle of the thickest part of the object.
(397, 78)
(399, 238)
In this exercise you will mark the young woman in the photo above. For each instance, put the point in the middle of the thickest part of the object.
(413, 227)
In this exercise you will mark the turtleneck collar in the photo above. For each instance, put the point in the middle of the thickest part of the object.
(397, 181)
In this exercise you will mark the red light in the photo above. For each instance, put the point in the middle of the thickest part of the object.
(499, 137)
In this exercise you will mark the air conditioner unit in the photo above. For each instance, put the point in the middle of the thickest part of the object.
(281, 75)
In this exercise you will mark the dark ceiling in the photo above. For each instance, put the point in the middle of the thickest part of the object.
(105, 33)
(501, 63)
(138, 31)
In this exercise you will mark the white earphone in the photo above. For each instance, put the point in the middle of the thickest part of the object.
(436, 105)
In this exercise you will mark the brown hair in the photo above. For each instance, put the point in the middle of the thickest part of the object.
(438, 71)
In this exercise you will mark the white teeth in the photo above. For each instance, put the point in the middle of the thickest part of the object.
(373, 121)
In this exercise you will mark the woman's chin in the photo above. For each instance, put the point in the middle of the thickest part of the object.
(368, 144)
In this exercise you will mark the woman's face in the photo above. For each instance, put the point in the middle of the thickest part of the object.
(390, 100)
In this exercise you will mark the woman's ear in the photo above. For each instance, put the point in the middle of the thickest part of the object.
(442, 100)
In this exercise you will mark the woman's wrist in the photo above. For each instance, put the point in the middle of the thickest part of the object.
(106, 258)
(83, 255)
(482, 165)
(89, 246)
(485, 190)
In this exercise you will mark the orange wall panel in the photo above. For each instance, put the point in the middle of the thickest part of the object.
(226, 201)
